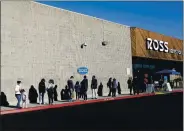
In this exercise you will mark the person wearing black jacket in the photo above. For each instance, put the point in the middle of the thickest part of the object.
(55, 93)
(135, 86)
(77, 90)
(70, 83)
(119, 88)
(67, 93)
(3, 100)
(71, 86)
(33, 95)
(100, 89)
(41, 89)
(84, 87)
(94, 84)
(130, 86)
(109, 85)
(62, 93)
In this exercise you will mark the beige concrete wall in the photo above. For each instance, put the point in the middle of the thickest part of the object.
(39, 41)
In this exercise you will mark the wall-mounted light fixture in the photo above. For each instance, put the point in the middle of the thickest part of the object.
(104, 43)
(84, 44)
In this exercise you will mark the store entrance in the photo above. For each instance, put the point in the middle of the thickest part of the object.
(140, 72)
(143, 66)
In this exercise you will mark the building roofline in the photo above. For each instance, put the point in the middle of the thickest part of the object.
(103, 20)
(156, 33)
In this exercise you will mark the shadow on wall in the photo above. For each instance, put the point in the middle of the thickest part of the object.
(161, 112)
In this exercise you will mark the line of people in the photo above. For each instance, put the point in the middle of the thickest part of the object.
(79, 90)
(113, 86)
(136, 86)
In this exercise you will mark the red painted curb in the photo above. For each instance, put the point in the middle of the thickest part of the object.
(76, 103)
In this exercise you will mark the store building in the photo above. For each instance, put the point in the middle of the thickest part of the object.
(40, 41)
(153, 52)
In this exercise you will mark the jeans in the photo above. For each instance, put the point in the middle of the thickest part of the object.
(94, 93)
(41, 98)
(18, 96)
(113, 92)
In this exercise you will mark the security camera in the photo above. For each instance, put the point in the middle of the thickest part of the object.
(104, 43)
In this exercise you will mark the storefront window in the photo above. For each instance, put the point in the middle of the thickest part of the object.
(139, 66)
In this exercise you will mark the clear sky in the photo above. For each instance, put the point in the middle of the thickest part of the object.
(162, 17)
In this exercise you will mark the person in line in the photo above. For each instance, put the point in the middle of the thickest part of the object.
(81, 92)
(145, 82)
(50, 91)
(77, 90)
(135, 86)
(71, 86)
(24, 98)
(114, 87)
(130, 86)
(119, 88)
(109, 85)
(94, 84)
(41, 90)
(33, 95)
(151, 88)
(18, 93)
(62, 93)
(84, 87)
(161, 83)
(3, 100)
(100, 89)
(67, 93)
(55, 93)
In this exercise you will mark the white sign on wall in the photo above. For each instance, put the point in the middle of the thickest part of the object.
(128, 71)
(161, 46)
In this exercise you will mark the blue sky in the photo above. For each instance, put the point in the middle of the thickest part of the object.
(162, 17)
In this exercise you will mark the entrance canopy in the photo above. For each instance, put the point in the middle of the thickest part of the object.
(173, 72)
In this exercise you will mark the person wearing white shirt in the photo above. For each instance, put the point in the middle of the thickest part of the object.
(18, 93)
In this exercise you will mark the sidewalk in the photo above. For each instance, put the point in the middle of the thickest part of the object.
(60, 102)
(57, 102)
